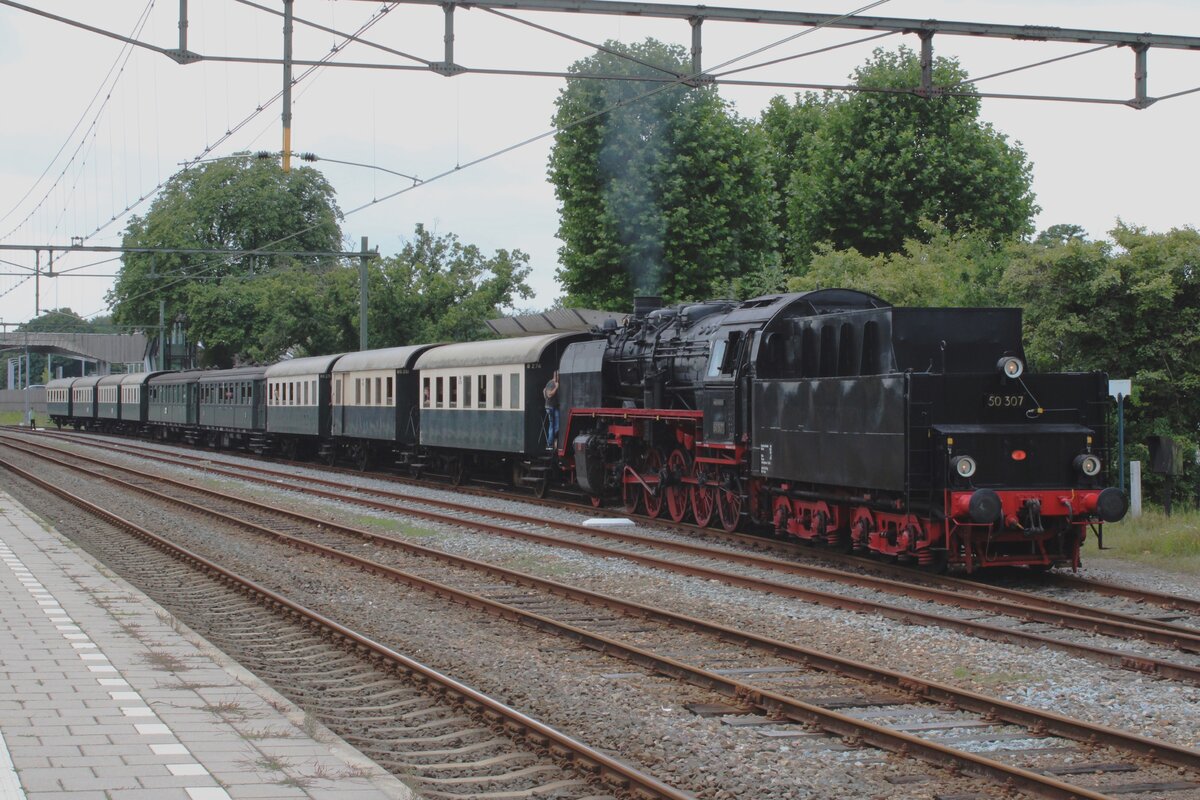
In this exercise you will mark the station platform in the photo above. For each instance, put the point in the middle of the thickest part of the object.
(104, 696)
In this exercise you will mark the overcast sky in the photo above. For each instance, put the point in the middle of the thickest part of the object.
(1092, 164)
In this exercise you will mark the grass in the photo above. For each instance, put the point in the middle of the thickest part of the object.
(1170, 543)
(993, 679)
(392, 525)
(546, 566)
(18, 418)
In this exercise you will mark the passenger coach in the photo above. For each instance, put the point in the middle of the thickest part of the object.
(375, 403)
(488, 395)
(58, 400)
(171, 410)
(232, 407)
(298, 405)
(135, 399)
(83, 401)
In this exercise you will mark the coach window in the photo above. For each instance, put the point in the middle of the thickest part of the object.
(379, 391)
(514, 390)
(497, 391)
(466, 384)
(439, 396)
(425, 392)
(390, 395)
(367, 390)
(305, 393)
(482, 391)
(313, 384)
(453, 391)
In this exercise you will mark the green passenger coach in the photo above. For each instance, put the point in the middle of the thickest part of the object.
(488, 395)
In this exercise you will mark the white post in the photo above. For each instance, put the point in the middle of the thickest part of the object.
(1135, 488)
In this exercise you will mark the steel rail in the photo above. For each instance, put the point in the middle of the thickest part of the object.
(1123, 660)
(1022, 605)
(582, 755)
(1039, 721)
(988, 706)
(1022, 599)
(853, 731)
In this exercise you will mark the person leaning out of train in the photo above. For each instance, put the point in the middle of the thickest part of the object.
(550, 393)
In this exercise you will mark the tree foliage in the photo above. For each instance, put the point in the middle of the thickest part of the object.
(1130, 308)
(238, 203)
(869, 166)
(437, 289)
(663, 190)
(939, 267)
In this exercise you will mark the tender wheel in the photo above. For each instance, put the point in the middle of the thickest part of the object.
(654, 494)
(759, 505)
(362, 457)
(289, 449)
(729, 507)
(677, 492)
(704, 496)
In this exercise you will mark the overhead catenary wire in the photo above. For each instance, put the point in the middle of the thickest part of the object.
(123, 59)
(682, 80)
(130, 206)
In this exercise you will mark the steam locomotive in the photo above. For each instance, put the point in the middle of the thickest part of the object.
(826, 416)
(832, 417)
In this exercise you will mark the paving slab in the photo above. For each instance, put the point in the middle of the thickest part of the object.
(106, 695)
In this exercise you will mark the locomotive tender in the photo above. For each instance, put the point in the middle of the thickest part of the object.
(828, 416)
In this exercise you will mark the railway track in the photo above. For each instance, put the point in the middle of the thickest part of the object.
(1133, 605)
(998, 618)
(443, 737)
(779, 681)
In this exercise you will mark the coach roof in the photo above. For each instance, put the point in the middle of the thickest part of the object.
(298, 367)
(387, 358)
(520, 350)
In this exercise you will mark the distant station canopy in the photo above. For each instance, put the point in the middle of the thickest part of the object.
(557, 319)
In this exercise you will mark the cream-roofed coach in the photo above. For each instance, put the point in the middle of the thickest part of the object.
(488, 395)
(376, 402)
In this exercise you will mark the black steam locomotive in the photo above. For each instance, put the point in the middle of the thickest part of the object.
(829, 416)
(833, 417)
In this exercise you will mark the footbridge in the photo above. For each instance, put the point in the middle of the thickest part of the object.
(104, 349)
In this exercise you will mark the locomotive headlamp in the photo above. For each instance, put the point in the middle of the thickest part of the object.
(1010, 367)
(1088, 464)
(964, 466)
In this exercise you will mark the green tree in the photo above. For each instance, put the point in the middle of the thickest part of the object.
(437, 289)
(293, 310)
(939, 267)
(237, 203)
(1130, 308)
(884, 159)
(662, 189)
(790, 130)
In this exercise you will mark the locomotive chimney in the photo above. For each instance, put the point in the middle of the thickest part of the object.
(644, 305)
